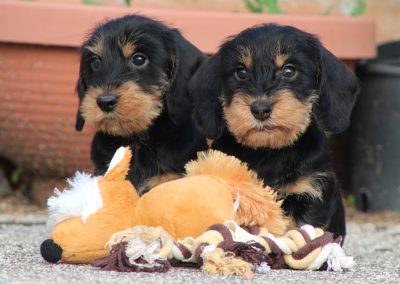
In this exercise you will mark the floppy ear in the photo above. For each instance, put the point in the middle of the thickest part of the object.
(81, 89)
(205, 89)
(338, 89)
(186, 58)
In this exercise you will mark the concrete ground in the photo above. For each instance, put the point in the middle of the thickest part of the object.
(375, 244)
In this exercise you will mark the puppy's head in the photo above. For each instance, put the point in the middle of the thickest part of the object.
(266, 84)
(131, 72)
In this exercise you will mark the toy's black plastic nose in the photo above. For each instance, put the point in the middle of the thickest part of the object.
(261, 110)
(50, 251)
(106, 102)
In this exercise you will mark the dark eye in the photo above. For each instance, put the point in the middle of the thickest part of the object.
(288, 71)
(241, 73)
(139, 59)
(95, 63)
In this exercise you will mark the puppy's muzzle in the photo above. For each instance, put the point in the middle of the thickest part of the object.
(261, 110)
(107, 102)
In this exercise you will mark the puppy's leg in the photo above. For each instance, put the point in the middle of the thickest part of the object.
(315, 200)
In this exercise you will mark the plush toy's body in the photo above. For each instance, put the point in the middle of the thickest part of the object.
(194, 217)
(177, 220)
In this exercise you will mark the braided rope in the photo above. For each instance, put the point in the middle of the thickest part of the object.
(307, 248)
(229, 249)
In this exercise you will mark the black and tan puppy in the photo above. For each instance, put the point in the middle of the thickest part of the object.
(133, 88)
(266, 97)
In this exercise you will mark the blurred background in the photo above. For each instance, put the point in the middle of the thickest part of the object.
(39, 61)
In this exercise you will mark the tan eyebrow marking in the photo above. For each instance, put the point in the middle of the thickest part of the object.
(97, 47)
(128, 49)
(280, 60)
(245, 56)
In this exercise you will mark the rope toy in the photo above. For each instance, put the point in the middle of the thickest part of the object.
(226, 249)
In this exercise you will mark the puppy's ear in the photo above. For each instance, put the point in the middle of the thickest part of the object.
(185, 59)
(205, 89)
(338, 89)
(81, 89)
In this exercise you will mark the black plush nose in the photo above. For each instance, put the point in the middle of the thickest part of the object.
(261, 110)
(50, 251)
(107, 102)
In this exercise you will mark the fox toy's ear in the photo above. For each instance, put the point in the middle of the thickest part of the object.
(119, 165)
(338, 89)
(205, 89)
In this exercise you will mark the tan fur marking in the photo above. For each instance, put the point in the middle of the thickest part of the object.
(308, 185)
(98, 47)
(291, 223)
(135, 110)
(245, 57)
(128, 49)
(289, 119)
(156, 180)
(280, 59)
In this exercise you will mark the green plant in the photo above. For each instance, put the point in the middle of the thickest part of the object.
(351, 200)
(96, 2)
(348, 7)
(360, 8)
(16, 176)
(90, 2)
(263, 6)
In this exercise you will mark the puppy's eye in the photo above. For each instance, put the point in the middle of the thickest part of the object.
(95, 63)
(139, 59)
(241, 73)
(288, 71)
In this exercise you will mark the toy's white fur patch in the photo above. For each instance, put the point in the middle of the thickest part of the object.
(81, 199)
(118, 156)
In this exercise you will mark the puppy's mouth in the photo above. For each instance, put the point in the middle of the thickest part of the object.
(288, 119)
(125, 110)
(267, 128)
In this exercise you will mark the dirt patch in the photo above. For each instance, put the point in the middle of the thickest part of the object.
(369, 217)
(17, 204)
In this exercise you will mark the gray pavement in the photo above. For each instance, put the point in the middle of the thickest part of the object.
(375, 246)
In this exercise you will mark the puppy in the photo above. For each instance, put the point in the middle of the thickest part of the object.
(132, 87)
(267, 97)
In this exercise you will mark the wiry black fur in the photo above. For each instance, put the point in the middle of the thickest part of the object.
(172, 139)
(318, 71)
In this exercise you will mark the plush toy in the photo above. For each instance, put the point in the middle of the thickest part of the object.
(216, 188)
(102, 220)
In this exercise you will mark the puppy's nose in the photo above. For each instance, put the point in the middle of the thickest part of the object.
(106, 102)
(261, 110)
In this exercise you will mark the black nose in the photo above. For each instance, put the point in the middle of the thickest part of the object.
(50, 251)
(106, 102)
(261, 110)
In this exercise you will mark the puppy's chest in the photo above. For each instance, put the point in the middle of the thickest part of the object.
(146, 162)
